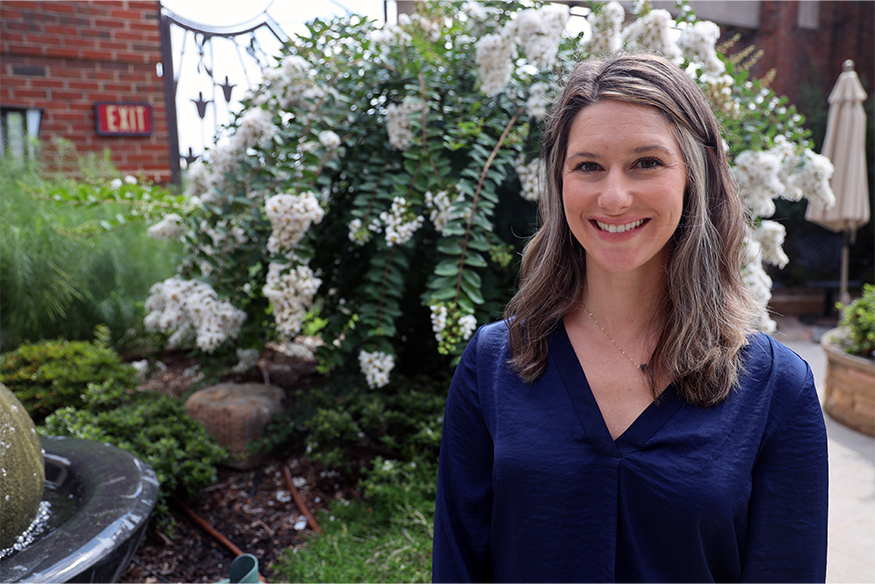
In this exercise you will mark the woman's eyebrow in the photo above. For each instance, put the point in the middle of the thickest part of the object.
(637, 150)
(581, 155)
(650, 148)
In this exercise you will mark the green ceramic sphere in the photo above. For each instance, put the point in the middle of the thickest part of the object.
(22, 470)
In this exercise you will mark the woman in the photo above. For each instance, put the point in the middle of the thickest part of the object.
(624, 423)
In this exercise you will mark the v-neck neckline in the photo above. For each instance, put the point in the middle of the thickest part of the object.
(648, 422)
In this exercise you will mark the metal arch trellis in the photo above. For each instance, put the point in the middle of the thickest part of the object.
(203, 37)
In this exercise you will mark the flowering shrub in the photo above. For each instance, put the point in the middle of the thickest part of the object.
(388, 174)
(858, 324)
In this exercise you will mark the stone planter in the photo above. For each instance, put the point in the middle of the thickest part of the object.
(850, 386)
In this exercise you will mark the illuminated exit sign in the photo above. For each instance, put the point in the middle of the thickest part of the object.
(123, 119)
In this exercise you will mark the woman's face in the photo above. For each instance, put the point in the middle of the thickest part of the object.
(623, 184)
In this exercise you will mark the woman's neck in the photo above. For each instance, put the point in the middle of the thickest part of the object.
(628, 304)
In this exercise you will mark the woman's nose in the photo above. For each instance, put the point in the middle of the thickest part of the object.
(616, 195)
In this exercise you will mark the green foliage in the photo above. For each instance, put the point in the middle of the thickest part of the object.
(155, 427)
(384, 537)
(387, 535)
(404, 168)
(355, 549)
(58, 282)
(51, 375)
(858, 322)
(83, 390)
(390, 485)
(402, 420)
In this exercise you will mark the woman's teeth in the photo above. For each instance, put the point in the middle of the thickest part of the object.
(619, 228)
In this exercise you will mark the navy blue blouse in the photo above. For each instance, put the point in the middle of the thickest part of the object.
(532, 488)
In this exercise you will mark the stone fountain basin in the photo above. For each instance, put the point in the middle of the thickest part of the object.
(102, 497)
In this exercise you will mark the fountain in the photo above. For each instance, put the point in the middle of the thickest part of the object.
(100, 498)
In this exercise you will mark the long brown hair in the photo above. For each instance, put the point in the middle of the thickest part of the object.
(708, 309)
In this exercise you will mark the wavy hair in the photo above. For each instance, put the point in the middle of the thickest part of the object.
(709, 312)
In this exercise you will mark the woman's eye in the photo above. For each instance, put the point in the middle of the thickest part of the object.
(587, 166)
(649, 163)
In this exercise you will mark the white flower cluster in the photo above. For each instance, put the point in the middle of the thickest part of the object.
(290, 217)
(467, 323)
(718, 90)
(653, 33)
(191, 309)
(361, 236)
(758, 283)
(494, 58)
(536, 105)
(290, 291)
(539, 32)
(295, 80)
(399, 231)
(781, 172)
(225, 238)
(812, 179)
(254, 127)
(199, 180)
(116, 183)
(770, 236)
(294, 66)
(757, 176)
(530, 175)
(170, 227)
(438, 320)
(698, 43)
(474, 10)
(398, 122)
(790, 158)
(430, 27)
(376, 366)
(607, 26)
(440, 207)
(329, 140)
(389, 34)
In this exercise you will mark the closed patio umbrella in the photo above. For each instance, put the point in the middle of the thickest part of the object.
(845, 146)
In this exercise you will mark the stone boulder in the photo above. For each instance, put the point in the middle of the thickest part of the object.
(235, 414)
(22, 469)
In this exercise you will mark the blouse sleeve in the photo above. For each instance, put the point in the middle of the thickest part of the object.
(463, 510)
(789, 497)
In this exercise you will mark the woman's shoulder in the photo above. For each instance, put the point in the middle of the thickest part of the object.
(490, 338)
(764, 353)
(774, 374)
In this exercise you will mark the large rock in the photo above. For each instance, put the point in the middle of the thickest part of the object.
(236, 415)
(22, 470)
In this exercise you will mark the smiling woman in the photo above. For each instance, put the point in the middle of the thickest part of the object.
(624, 423)
(623, 188)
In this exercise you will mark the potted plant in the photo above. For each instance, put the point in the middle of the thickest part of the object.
(850, 365)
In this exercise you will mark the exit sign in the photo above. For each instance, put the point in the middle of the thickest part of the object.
(123, 119)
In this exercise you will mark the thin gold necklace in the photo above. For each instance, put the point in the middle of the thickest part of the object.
(642, 366)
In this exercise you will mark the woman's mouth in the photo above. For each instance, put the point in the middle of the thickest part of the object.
(614, 228)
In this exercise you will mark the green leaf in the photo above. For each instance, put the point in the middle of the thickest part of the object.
(472, 258)
(472, 292)
(447, 268)
(472, 278)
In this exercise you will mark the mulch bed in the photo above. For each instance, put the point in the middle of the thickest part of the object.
(251, 508)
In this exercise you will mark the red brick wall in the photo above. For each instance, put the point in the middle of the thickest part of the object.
(64, 56)
(800, 56)
(845, 30)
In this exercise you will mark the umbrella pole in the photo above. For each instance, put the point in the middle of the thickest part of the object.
(844, 297)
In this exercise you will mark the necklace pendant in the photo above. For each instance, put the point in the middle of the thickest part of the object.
(643, 367)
